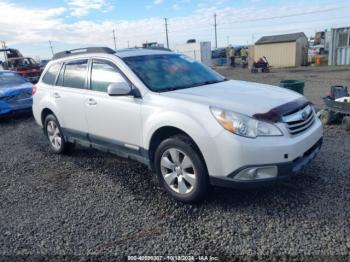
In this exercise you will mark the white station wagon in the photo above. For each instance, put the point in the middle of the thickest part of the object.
(189, 124)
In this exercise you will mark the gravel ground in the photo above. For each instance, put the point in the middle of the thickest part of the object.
(93, 203)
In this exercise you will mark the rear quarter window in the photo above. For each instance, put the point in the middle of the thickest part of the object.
(51, 74)
(73, 74)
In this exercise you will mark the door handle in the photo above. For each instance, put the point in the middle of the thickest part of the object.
(92, 102)
(56, 95)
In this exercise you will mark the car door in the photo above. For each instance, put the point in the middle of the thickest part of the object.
(113, 121)
(69, 97)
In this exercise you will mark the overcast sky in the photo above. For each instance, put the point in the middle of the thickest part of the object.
(29, 25)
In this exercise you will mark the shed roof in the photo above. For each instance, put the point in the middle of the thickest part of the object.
(280, 38)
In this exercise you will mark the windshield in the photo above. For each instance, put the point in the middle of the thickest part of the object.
(9, 78)
(171, 72)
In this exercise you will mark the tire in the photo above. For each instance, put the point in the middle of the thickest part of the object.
(326, 117)
(53, 132)
(346, 123)
(181, 170)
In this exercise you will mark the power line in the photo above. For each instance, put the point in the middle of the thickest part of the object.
(265, 18)
(286, 16)
(224, 25)
(281, 31)
(166, 31)
(324, 22)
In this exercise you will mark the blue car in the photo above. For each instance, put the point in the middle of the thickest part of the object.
(15, 93)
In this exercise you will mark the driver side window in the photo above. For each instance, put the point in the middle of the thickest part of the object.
(104, 73)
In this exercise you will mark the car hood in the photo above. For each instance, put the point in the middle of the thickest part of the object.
(243, 97)
(13, 90)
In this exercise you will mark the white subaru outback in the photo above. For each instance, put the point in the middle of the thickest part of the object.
(192, 126)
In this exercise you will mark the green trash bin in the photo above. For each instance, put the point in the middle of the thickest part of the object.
(295, 85)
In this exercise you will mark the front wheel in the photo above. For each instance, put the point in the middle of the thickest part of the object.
(181, 170)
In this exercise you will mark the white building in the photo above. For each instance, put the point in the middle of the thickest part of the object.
(339, 46)
(200, 51)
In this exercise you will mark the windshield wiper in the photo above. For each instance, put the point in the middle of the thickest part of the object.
(209, 82)
(169, 89)
(193, 85)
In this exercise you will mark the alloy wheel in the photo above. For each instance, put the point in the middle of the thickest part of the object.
(178, 171)
(54, 135)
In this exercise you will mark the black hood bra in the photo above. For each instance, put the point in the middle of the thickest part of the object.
(275, 114)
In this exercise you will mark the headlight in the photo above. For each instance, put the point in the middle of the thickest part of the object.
(243, 125)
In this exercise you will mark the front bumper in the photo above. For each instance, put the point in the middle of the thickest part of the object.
(284, 170)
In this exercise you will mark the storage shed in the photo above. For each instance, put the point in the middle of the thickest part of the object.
(289, 50)
(339, 46)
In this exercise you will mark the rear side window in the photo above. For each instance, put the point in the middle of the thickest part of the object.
(104, 73)
(51, 74)
(73, 74)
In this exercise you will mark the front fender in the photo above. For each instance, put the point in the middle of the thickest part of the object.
(202, 130)
(171, 119)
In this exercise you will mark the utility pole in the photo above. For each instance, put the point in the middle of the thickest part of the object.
(228, 40)
(51, 47)
(3, 43)
(166, 32)
(115, 43)
(216, 34)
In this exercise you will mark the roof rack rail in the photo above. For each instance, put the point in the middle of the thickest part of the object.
(84, 50)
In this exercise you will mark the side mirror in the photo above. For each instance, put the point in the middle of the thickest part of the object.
(119, 89)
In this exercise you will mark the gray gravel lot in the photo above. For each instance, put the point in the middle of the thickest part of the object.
(93, 203)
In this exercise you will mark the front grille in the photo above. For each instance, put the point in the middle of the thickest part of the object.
(299, 121)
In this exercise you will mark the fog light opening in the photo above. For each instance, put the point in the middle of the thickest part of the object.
(257, 173)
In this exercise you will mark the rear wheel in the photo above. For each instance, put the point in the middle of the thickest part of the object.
(181, 170)
(346, 123)
(54, 134)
